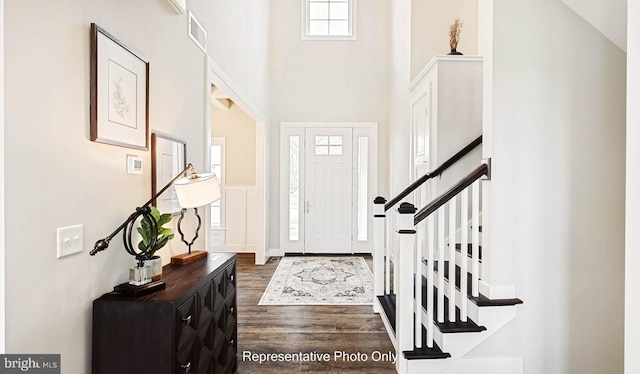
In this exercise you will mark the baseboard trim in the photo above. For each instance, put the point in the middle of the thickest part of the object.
(275, 252)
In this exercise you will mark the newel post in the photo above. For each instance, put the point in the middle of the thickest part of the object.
(378, 249)
(405, 258)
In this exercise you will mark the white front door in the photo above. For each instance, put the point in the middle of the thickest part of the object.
(328, 190)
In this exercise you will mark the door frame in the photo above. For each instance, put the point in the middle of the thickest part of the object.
(360, 129)
(217, 76)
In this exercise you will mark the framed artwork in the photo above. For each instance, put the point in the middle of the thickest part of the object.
(168, 158)
(119, 93)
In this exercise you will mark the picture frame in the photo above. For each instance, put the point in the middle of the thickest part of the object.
(119, 93)
(168, 158)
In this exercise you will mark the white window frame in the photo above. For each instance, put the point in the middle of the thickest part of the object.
(220, 142)
(352, 24)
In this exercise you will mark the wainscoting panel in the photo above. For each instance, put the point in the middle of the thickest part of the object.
(239, 231)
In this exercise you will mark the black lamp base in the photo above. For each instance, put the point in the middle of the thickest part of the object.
(137, 291)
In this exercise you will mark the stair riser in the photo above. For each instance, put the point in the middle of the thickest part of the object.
(500, 365)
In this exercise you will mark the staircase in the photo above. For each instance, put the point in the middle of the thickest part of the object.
(428, 279)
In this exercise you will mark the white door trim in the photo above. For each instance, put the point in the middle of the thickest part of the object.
(287, 129)
(219, 78)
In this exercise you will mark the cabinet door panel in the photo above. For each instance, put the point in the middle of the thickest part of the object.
(186, 358)
(186, 321)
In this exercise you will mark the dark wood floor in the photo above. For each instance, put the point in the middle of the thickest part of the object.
(305, 329)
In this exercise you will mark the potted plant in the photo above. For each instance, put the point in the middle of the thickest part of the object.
(454, 36)
(164, 235)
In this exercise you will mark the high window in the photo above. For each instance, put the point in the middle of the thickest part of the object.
(329, 19)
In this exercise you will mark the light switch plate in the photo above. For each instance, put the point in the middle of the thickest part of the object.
(69, 240)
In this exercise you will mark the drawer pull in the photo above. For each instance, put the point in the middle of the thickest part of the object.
(186, 367)
(231, 342)
(187, 321)
(231, 278)
(231, 310)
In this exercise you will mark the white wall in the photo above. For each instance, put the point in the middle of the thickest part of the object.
(238, 41)
(2, 238)
(557, 204)
(239, 131)
(326, 81)
(399, 79)
(62, 178)
(632, 275)
(430, 20)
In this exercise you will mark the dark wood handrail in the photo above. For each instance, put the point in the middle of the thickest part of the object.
(439, 201)
(445, 165)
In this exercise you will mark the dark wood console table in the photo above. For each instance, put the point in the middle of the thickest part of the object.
(189, 327)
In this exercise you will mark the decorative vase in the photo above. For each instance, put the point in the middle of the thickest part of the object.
(155, 268)
(454, 52)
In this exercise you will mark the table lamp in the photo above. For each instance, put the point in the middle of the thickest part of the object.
(193, 191)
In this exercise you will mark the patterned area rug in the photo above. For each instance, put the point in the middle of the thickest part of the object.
(320, 281)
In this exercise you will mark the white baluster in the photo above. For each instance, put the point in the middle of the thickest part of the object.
(441, 265)
(430, 279)
(395, 247)
(452, 260)
(420, 236)
(464, 243)
(390, 225)
(475, 238)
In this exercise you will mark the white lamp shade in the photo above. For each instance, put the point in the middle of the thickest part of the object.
(194, 192)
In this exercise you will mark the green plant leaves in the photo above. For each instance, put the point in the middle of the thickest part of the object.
(164, 233)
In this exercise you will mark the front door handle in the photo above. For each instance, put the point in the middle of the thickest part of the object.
(307, 206)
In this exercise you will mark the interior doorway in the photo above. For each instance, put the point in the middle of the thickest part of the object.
(222, 92)
(329, 177)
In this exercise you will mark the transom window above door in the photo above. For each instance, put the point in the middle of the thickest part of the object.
(329, 19)
(329, 145)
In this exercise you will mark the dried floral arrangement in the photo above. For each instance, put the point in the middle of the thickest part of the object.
(454, 34)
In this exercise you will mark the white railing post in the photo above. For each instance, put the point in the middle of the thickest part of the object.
(405, 259)
(378, 249)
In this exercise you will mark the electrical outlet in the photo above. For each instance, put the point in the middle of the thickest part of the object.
(69, 240)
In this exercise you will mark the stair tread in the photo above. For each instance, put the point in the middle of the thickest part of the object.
(480, 300)
(425, 353)
(388, 303)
